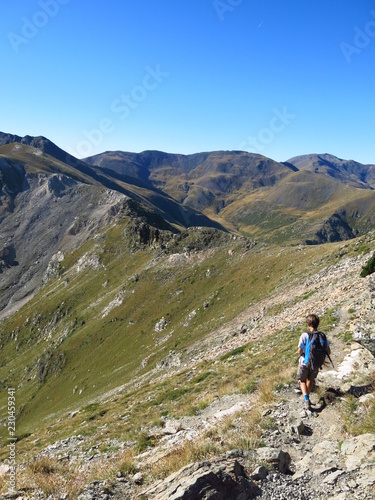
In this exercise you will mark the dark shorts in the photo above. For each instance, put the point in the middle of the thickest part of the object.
(304, 374)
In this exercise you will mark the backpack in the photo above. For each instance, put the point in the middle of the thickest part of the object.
(317, 350)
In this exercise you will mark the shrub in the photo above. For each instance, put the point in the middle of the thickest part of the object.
(369, 267)
(127, 466)
(144, 441)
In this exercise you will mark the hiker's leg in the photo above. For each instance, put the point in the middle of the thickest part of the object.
(310, 382)
(304, 388)
(308, 386)
(302, 377)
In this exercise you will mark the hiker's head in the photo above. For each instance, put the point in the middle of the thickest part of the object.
(313, 321)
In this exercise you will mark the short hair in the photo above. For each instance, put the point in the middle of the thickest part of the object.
(313, 320)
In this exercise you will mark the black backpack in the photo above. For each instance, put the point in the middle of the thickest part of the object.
(318, 350)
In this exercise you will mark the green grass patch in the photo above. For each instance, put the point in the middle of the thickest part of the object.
(250, 386)
(201, 377)
(235, 352)
(171, 395)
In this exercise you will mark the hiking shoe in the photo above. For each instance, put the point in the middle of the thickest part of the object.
(307, 405)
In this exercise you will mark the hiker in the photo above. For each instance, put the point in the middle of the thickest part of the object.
(312, 349)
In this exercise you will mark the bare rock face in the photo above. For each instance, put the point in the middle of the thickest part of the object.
(222, 479)
(7, 257)
(367, 339)
(40, 225)
(359, 451)
(364, 327)
(276, 458)
(335, 228)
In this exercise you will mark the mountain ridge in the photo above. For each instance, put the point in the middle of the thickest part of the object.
(309, 199)
(222, 183)
(350, 170)
(236, 189)
(48, 205)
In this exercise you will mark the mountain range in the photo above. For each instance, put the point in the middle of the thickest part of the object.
(52, 201)
(143, 292)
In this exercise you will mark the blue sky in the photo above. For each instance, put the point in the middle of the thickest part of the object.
(276, 77)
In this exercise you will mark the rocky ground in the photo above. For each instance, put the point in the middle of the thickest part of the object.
(306, 455)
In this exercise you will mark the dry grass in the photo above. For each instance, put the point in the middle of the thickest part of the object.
(50, 476)
(126, 463)
(368, 419)
(240, 431)
(190, 451)
(55, 477)
(4, 484)
(266, 390)
(358, 418)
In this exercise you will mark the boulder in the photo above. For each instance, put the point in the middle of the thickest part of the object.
(220, 480)
(358, 451)
(275, 457)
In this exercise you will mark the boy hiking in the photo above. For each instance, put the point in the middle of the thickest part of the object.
(313, 347)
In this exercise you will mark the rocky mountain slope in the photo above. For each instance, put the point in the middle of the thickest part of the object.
(50, 202)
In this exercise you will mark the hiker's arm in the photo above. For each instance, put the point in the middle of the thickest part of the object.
(328, 350)
(300, 351)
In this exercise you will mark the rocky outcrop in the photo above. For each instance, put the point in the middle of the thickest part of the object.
(328, 471)
(302, 459)
(364, 326)
(221, 478)
(41, 225)
(336, 228)
(7, 257)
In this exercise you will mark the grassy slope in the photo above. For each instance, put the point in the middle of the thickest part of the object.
(229, 278)
(59, 350)
(296, 208)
